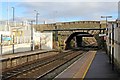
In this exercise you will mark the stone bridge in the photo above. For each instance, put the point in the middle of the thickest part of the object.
(62, 31)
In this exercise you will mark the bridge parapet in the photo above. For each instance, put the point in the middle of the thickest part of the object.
(67, 25)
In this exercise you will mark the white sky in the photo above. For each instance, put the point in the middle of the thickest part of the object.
(60, 0)
(64, 10)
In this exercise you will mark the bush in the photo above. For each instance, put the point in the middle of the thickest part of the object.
(37, 46)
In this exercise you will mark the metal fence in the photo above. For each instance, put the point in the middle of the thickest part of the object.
(113, 45)
(13, 44)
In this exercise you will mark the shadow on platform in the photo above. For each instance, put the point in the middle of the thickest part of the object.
(101, 68)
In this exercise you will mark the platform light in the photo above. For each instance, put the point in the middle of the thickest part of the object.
(31, 23)
(106, 17)
(13, 8)
(36, 16)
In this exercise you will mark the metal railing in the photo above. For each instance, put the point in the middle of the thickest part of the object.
(11, 44)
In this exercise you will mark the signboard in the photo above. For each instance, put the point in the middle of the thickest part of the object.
(102, 34)
(6, 38)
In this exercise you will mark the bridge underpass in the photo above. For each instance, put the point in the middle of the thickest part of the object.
(78, 37)
(64, 37)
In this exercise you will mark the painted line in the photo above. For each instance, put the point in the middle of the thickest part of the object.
(82, 56)
(80, 68)
(88, 66)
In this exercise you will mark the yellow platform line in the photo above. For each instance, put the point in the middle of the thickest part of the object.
(88, 66)
(86, 70)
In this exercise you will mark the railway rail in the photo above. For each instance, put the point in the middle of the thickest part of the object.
(13, 61)
(43, 67)
(13, 72)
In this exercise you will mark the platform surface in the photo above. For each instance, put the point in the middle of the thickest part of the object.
(79, 68)
(101, 68)
(97, 68)
(5, 56)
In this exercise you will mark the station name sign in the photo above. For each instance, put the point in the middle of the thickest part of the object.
(102, 34)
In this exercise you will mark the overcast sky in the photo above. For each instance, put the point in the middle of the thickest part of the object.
(54, 11)
(59, 0)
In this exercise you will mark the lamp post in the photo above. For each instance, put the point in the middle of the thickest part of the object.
(109, 41)
(37, 23)
(36, 16)
(13, 9)
(106, 18)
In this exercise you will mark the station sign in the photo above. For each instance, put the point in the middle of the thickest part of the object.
(102, 34)
(6, 38)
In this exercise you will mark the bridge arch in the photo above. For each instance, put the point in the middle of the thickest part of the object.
(75, 34)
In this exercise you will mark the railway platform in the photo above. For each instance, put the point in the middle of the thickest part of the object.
(94, 65)
(101, 68)
(87, 65)
(11, 61)
(5, 56)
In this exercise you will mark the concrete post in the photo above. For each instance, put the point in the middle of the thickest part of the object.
(56, 37)
(109, 43)
(112, 46)
(1, 44)
(13, 44)
(31, 35)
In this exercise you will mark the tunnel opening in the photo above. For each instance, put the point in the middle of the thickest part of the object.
(81, 40)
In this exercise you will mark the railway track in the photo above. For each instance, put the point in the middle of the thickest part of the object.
(46, 68)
